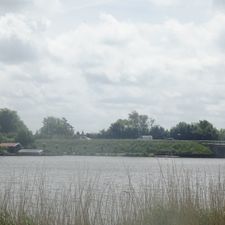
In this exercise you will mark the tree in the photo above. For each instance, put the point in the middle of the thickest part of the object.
(117, 129)
(133, 127)
(25, 137)
(53, 126)
(222, 134)
(12, 128)
(141, 123)
(204, 130)
(158, 132)
(182, 131)
(10, 122)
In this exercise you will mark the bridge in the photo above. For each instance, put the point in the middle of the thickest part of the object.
(217, 147)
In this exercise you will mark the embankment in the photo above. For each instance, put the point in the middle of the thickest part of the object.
(124, 147)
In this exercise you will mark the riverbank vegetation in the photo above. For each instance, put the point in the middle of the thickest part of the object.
(135, 126)
(120, 147)
(58, 136)
(138, 125)
(172, 199)
(12, 128)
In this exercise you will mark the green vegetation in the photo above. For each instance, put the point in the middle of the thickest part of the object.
(57, 137)
(13, 129)
(203, 130)
(171, 200)
(123, 147)
(55, 127)
(133, 127)
(138, 125)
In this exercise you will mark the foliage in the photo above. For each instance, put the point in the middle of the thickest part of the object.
(122, 147)
(203, 130)
(10, 122)
(138, 125)
(182, 131)
(133, 127)
(222, 134)
(53, 126)
(12, 128)
(24, 137)
(158, 132)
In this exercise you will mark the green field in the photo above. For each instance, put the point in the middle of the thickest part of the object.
(123, 147)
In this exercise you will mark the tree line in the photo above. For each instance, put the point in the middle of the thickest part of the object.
(137, 125)
(12, 128)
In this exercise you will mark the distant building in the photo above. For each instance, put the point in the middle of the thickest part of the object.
(30, 152)
(11, 147)
(146, 137)
(83, 137)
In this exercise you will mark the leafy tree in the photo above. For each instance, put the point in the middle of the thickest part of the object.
(12, 128)
(141, 123)
(25, 137)
(133, 127)
(221, 134)
(182, 131)
(10, 121)
(117, 129)
(159, 132)
(203, 130)
(53, 126)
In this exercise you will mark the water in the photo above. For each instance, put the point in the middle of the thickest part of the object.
(62, 170)
(39, 182)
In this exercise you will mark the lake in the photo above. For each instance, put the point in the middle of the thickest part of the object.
(60, 171)
(111, 190)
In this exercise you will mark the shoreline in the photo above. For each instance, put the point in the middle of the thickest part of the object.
(122, 148)
(125, 147)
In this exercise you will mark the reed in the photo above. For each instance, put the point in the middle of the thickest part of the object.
(175, 198)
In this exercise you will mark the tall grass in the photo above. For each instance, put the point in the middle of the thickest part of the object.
(172, 199)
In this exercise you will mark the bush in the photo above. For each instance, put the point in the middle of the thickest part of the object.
(25, 137)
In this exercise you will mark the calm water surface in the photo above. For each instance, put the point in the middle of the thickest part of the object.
(62, 170)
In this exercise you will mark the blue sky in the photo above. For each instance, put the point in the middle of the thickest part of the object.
(94, 61)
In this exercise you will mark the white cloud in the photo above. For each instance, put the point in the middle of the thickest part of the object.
(15, 25)
(51, 6)
(13, 5)
(219, 5)
(20, 38)
(164, 2)
(147, 64)
(171, 70)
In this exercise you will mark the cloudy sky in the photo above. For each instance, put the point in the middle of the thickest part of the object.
(93, 61)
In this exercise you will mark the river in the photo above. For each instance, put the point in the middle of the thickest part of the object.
(62, 170)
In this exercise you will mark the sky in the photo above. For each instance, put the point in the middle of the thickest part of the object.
(94, 61)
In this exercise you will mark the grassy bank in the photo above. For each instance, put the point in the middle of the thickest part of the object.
(168, 201)
(123, 147)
